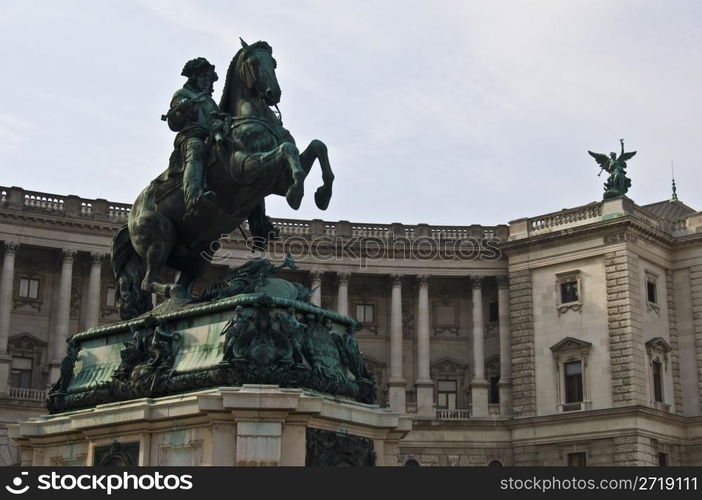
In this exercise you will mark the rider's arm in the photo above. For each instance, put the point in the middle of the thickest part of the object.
(181, 113)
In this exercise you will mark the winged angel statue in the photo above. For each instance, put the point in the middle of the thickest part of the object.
(618, 183)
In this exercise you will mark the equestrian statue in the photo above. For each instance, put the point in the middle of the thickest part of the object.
(227, 159)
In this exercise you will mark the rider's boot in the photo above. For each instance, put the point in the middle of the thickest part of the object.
(193, 188)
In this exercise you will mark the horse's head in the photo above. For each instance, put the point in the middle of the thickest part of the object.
(256, 68)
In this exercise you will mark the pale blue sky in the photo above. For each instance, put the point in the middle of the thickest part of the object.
(442, 112)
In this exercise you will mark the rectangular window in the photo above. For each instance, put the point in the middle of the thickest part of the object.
(573, 385)
(494, 390)
(21, 373)
(365, 313)
(446, 394)
(657, 370)
(569, 292)
(28, 288)
(651, 292)
(578, 459)
(110, 297)
(493, 312)
(662, 459)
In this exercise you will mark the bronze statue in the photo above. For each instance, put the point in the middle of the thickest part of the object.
(255, 156)
(618, 183)
(195, 116)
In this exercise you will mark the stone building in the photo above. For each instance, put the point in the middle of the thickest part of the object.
(570, 338)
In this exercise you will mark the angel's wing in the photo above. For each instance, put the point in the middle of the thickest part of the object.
(626, 156)
(602, 159)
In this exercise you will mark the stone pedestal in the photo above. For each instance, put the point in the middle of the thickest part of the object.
(252, 425)
(425, 398)
(479, 390)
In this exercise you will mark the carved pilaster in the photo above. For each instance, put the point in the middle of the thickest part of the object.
(502, 281)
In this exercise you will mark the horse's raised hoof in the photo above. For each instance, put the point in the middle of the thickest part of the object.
(294, 196)
(322, 197)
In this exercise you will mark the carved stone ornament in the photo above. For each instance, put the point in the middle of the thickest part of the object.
(117, 455)
(333, 449)
(269, 339)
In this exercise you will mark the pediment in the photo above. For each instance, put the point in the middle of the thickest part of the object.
(25, 341)
(447, 365)
(659, 344)
(570, 343)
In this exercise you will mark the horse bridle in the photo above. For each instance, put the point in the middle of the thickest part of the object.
(251, 79)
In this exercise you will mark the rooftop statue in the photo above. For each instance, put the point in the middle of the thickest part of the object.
(227, 159)
(618, 183)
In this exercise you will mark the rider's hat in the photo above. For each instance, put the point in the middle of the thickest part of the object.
(196, 66)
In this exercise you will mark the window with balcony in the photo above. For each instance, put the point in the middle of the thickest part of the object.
(21, 372)
(446, 392)
(571, 360)
(657, 350)
(573, 380)
(27, 354)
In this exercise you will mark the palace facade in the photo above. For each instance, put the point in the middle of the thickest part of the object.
(572, 338)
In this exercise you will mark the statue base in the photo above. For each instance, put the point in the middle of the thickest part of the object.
(252, 425)
(251, 328)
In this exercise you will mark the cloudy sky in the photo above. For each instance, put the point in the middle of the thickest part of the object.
(443, 112)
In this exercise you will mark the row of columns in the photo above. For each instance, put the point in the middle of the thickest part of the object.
(57, 341)
(424, 384)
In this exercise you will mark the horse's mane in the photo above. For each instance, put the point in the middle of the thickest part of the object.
(233, 85)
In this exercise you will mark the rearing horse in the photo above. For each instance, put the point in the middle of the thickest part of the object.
(258, 158)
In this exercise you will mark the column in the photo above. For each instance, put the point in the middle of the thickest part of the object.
(397, 384)
(7, 281)
(342, 297)
(505, 384)
(425, 386)
(479, 386)
(93, 310)
(316, 298)
(63, 315)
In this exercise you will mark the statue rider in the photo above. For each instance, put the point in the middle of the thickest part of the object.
(195, 115)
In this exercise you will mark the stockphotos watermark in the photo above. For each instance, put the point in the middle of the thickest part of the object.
(363, 250)
(107, 483)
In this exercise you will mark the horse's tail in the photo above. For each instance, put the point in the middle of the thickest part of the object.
(129, 272)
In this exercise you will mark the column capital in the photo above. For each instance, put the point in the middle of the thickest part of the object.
(11, 247)
(316, 274)
(343, 277)
(502, 281)
(68, 254)
(396, 279)
(96, 258)
(477, 281)
(423, 279)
